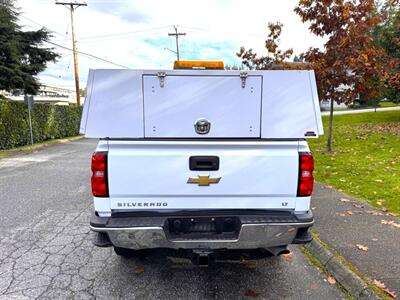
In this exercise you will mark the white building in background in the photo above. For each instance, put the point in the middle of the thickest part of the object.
(326, 105)
(47, 94)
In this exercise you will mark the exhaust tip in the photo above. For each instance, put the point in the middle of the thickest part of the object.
(286, 251)
(277, 251)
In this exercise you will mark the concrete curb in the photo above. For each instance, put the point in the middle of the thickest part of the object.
(347, 278)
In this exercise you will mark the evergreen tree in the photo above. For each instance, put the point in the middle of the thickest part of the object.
(387, 35)
(22, 55)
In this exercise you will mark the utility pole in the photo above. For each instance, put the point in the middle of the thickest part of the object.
(177, 34)
(72, 5)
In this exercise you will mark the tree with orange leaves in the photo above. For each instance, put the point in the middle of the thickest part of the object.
(275, 56)
(351, 63)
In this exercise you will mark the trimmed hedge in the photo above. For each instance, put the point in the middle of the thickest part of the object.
(48, 122)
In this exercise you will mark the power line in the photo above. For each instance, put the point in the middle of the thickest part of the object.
(34, 22)
(69, 64)
(121, 34)
(114, 36)
(217, 32)
(80, 52)
(87, 54)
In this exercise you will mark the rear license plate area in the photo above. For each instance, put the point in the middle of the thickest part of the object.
(198, 228)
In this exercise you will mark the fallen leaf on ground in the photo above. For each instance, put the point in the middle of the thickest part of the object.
(138, 270)
(392, 223)
(251, 293)
(374, 213)
(349, 212)
(331, 280)
(358, 205)
(392, 128)
(344, 200)
(287, 257)
(383, 287)
(390, 293)
(379, 284)
(362, 247)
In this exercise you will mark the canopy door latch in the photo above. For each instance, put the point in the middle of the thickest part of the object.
(161, 77)
(243, 77)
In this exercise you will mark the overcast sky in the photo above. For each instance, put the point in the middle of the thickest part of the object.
(134, 33)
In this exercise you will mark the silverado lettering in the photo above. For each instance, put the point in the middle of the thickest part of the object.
(148, 204)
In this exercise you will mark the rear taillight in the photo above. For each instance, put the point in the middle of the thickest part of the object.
(306, 179)
(99, 174)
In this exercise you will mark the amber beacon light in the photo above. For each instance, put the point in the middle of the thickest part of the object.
(197, 64)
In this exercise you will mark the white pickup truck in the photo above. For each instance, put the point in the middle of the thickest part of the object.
(202, 163)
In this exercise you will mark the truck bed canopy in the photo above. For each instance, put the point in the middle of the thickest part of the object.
(176, 103)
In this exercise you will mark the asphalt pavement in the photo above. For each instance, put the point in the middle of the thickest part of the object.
(46, 250)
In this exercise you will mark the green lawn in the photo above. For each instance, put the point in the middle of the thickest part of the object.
(366, 158)
(388, 104)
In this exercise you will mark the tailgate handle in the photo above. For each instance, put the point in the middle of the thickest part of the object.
(204, 163)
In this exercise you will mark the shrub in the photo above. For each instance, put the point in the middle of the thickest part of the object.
(48, 122)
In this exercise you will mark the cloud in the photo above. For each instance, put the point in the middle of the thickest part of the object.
(134, 33)
(121, 10)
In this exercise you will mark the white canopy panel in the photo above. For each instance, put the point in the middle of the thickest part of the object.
(290, 106)
(172, 110)
(114, 104)
(168, 104)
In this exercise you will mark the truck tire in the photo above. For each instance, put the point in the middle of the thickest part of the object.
(124, 252)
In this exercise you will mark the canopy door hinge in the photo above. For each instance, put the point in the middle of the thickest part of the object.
(243, 77)
(161, 77)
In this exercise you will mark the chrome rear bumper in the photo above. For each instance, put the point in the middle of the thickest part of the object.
(255, 232)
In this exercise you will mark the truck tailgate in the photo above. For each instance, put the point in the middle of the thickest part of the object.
(157, 175)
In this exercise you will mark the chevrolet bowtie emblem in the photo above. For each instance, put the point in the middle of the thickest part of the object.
(203, 180)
